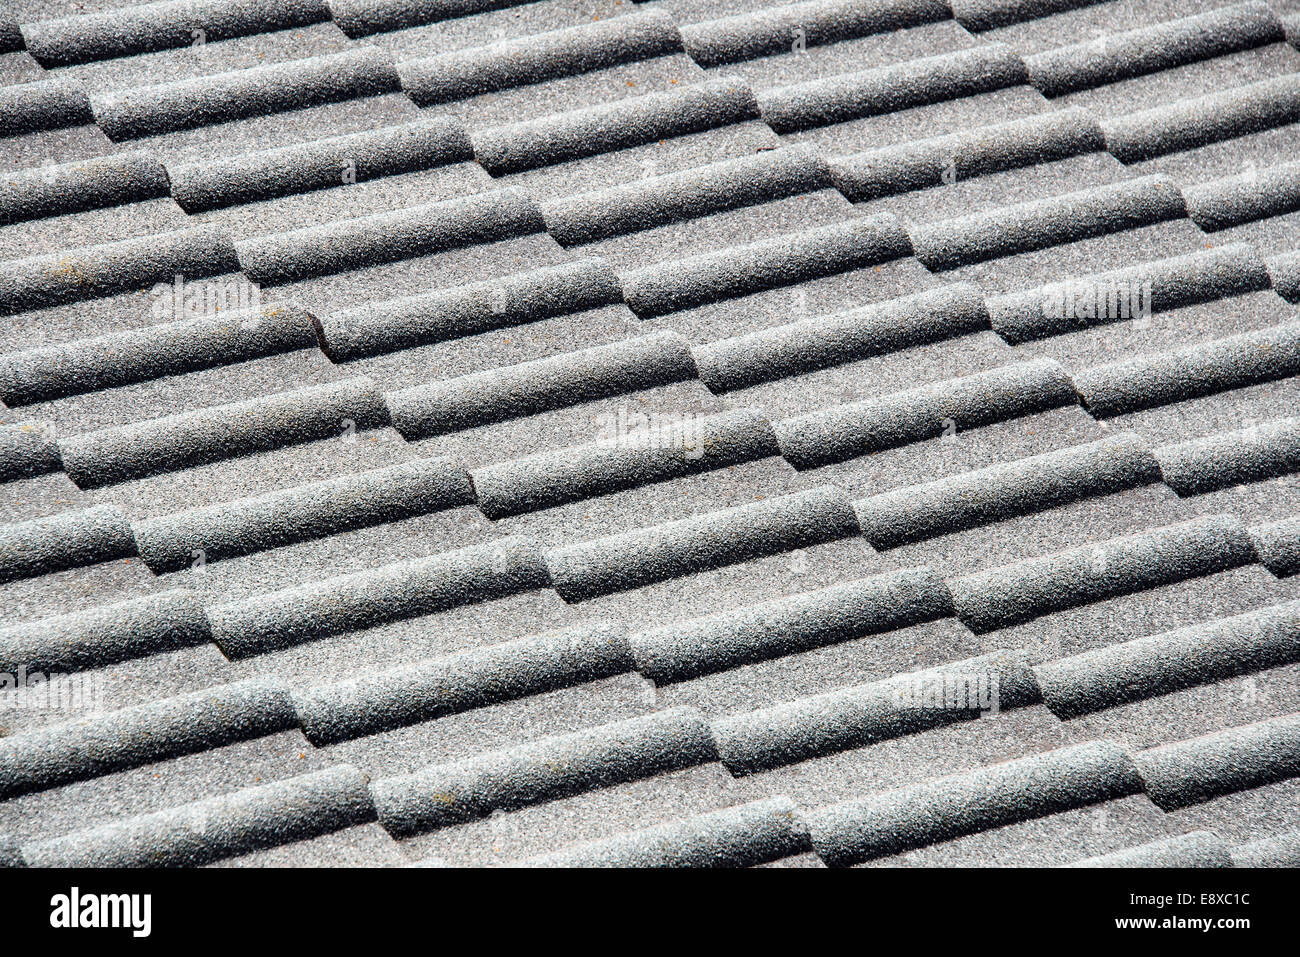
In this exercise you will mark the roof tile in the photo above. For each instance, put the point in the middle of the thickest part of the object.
(319, 164)
(185, 104)
(60, 754)
(207, 435)
(692, 545)
(1151, 49)
(1191, 772)
(157, 623)
(545, 56)
(889, 89)
(127, 31)
(442, 795)
(219, 827)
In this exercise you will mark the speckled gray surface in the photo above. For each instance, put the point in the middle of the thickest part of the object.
(690, 433)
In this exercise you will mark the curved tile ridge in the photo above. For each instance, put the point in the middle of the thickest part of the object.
(359, 18)
(1279, 850)
(11, 37)
(1255, 194)
(877, 711)
(1152, 49)
(701, 543)
(127, 31)
(459, 311)
(255, 524)
(229, 825)
(784, 260)
(1237, 759)
(386, 237)
(443, 795)
(1253, 454)
(921, 164)
(28, 449)
(635, 121)
(240, 94)
(1278, 544)
(461, 682)
(1199, 121)
(947, 808)
(701, 191)
(1165, 663)
(790, 625)
(769, 31)
(901, 418)
(377, 596)
(43, 105)
(102, 744)
(1128, 294)
(1284, 270)
(1006, 490)
(1017, 593)
(83, 185)
(1197, 849)
(67, 540)
(1040, 223)
(152, 352)
(1203, 369)
(742, 836)
(627, 455)
(92, 272)
(106, 635)
(852, 96)
(980, 15)
(127, 452)
(540, 57)
(319, 164)
(529, 388)
(840, 338)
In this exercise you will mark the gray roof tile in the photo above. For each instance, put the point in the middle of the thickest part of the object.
(162, 349)
(443, 795)
(889, 89)
(696, 544)
(108, 634)
(43, 105)
(320, 164)
(209, 435)
(1187, 124)
(66, 540)
(385, 237)
(915, 415)
(1005, 596)
(765, 32)
(741, 836)
(1189, 772)
(572, 479)
(1154, 48)
(96, 271)
(561, 137)
(160, 26)
(184, 104)
(546, 56)
(219, 827)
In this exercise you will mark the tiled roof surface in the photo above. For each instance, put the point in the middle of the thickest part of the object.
(691, 432)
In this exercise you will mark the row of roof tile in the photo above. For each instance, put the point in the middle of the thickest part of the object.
(553, 478)
(448, 77)
(129, 31)
(984, 600)
(890, 822)
(943, 809)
